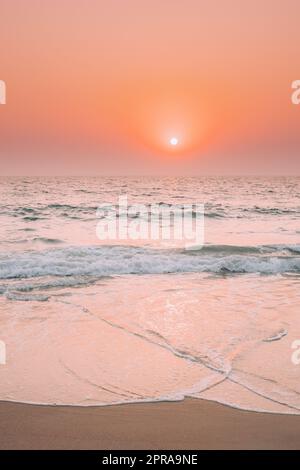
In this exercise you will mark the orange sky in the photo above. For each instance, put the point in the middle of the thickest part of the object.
(103, 86)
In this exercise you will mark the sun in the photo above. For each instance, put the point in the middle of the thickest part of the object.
(174, 141)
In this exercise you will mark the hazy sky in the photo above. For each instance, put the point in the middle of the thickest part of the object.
(104, 85)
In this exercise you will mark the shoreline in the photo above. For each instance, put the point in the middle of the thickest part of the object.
(188, 424)
(146, 402)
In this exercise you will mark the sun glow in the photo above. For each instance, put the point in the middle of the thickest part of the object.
(174, 141)
(172, 123)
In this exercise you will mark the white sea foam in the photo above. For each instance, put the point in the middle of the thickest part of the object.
(110, 261)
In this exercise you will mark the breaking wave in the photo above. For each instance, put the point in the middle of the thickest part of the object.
(120, 260)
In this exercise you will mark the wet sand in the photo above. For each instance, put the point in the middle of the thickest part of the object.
(191, 424)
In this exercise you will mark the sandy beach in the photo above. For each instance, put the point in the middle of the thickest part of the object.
(190, 424)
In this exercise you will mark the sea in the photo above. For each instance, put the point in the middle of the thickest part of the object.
(91, 321)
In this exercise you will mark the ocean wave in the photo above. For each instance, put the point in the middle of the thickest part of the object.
(81, 210)
(15, 295)
(272, 210)
(42, 288)
(122, 260)
(51, 241)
